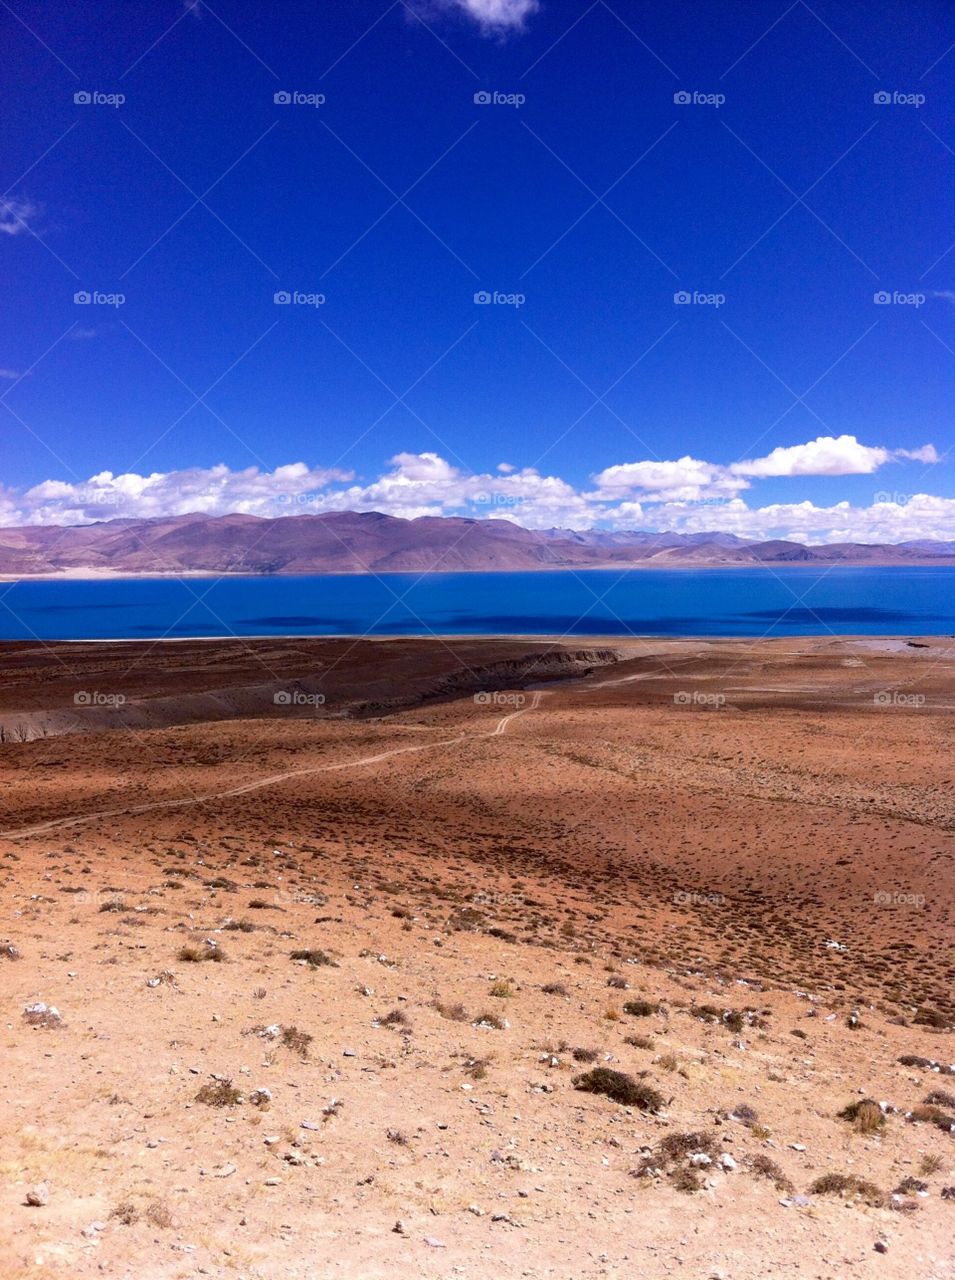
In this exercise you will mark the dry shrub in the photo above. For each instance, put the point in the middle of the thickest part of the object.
(452, 1012)
(849, 1186)
(219, 1093)
(195, 955)
(315, 958)
(865, 1116)
(296, 1040)
(640, 1008)
(620, 1087)
(763, 1167)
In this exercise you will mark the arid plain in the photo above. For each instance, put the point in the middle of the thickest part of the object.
(448, 957)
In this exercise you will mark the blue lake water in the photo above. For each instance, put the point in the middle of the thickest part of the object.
(790, 600)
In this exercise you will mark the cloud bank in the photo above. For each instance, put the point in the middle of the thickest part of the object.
(686, 495)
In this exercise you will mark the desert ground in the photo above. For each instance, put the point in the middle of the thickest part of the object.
(446, 958)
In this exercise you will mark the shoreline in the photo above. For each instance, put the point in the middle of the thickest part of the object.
(143, 575)
(902, 641)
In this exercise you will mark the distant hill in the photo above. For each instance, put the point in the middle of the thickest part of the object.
(370, 542)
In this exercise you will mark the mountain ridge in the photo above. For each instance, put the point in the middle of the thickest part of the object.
(374, 542)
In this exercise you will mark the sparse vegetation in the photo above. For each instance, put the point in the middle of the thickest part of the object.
(315, 958)
(763, 1167)
(849, 1186)
(640, 1008)
(219, 1093)
(195, 955)
(487, 1019)
(619, 1087)
(928, 1114)
(939, 1098)
(395, 1018)
(452, 1012)
(865, 1116)
(926, 1017)
(296, 1040)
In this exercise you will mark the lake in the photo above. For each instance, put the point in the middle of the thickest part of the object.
(789, 600)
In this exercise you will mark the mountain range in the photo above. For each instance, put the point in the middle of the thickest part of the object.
(371, 542)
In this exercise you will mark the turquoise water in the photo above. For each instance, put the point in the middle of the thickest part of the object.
(794, 600)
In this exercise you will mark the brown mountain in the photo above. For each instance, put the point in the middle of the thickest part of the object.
(370, 542)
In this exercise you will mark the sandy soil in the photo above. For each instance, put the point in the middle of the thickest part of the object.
(750, 844)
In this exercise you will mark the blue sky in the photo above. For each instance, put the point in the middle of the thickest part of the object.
(720, 267)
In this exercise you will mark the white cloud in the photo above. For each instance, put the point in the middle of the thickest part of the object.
(824, 456)
(829, 456)
(16, 213)
(213, 490)
(494, 17)
(686, 495)
(890, 518)
(687, 480)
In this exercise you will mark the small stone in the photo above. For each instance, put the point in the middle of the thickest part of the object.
(349, 1053)
(798, 1146)
(699, 1160)
(273, 1182)
(881, 1246)
(727, 1162)
(399, 1228)
(260, 1097)
(38, 1196)
(433, 1243)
